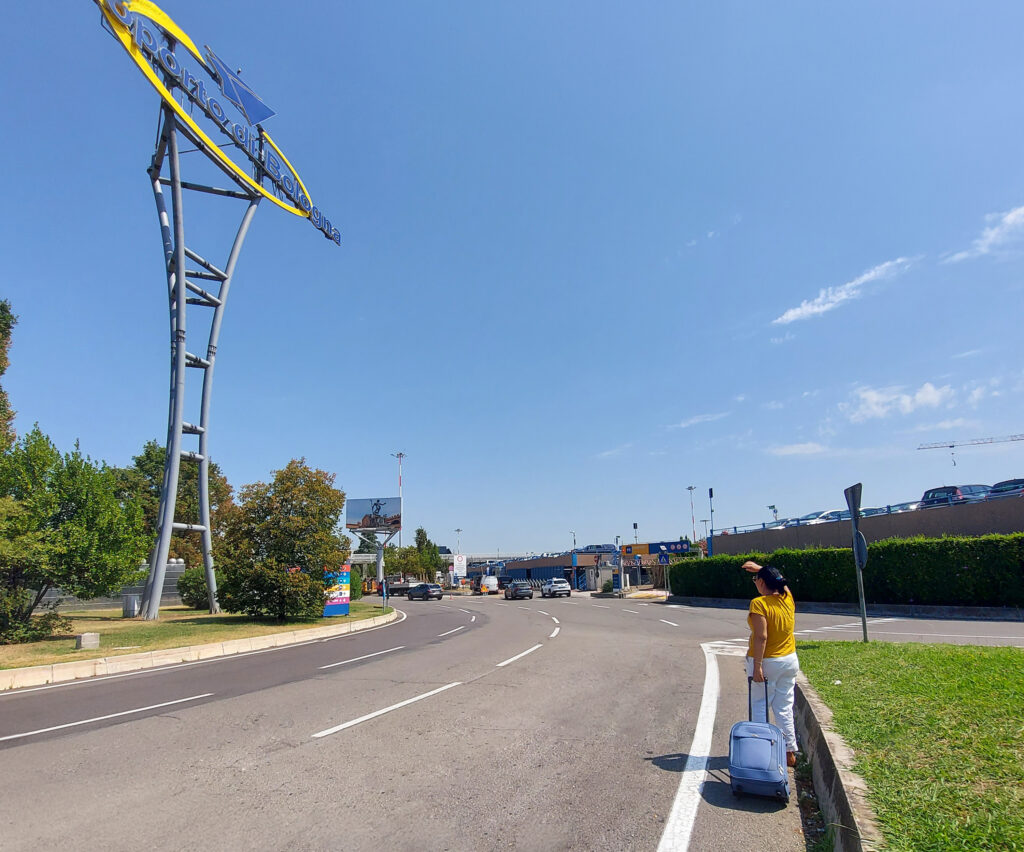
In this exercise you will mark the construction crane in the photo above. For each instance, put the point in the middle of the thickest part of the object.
(949, 445)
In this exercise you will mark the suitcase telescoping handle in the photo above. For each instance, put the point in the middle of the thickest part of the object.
(750, 703)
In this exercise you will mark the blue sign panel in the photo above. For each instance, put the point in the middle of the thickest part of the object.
(672, 548)
(338, 591)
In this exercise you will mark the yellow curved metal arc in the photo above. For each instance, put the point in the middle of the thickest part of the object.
(160, 17)
(128, 43)
(302, 186)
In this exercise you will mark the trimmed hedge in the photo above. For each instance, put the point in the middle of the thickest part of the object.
(950, 571)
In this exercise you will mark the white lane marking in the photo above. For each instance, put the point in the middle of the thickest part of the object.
(364, 657)
(450, 632)
(542, 612)
(465, 610)
(601, 606)
(402, 613)
(525, 607)
(673, 606)
(634, 611)
(103, 718)
(643, 604)
(472, 619)
(555, 620)
(554, 633)
(677, 832)
(377, 713)
(517, 656)
(662, 620)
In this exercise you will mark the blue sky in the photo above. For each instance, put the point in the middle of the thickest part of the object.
(592, 253)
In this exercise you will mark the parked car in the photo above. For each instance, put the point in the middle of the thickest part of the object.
(810, 518)
(1007, 488)
(425, 591)
(518, 589)
(949, 494)
(555, 587)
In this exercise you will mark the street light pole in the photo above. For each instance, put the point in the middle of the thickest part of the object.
(691, 489)
(458, 540)
(399, 455)
(573, 533)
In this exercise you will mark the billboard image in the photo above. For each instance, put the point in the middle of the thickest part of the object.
(375, 513)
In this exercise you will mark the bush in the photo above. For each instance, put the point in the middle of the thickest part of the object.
(17, 624)
(273, 590)
(356, 584)
(950, 571)
(608, 587)
(192, 588)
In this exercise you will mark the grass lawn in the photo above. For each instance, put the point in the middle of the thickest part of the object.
(177, 627)
(939, 735)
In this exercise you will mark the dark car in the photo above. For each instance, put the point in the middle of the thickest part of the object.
(1007, 488)
(949, 494)
(518, 589)
(425, 591)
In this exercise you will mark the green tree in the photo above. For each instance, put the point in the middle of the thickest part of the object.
(284, 537)
(85, 539)
(143, 482)
(402, 560)
(7, 323)
(429, 557)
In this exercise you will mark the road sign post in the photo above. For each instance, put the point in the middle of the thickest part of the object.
(860, 550)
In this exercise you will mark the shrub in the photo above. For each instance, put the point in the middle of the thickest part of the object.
(192, 587)
(17, 625)
(355, 584)
(273, 590)
(950, 571)
(608, 587)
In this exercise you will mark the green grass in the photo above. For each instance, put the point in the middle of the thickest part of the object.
(939, 735)
(177, 627)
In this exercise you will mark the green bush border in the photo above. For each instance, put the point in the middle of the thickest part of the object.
(949, 571)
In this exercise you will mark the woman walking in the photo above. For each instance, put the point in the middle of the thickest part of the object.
(771, 654)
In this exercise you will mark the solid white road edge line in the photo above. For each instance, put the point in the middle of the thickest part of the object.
(450, 632)
(554, 633)
(364, 657)
(662, 620)
(517, 656)
(676, 836)
(377, 713)
(103, 718)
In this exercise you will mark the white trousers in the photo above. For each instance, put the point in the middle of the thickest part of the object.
(780, 672)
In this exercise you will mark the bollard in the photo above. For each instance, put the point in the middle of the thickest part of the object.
(130, 606)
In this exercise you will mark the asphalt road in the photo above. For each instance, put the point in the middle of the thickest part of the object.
(472, 723)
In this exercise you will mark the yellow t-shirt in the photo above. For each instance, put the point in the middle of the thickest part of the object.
(780, 613)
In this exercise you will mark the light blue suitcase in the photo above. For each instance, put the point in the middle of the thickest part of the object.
(757, 756)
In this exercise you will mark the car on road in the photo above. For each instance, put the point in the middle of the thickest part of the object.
(1007, 488)
(555, 587)
(425, 591)
(949, 494)
(803, 520)
(518, 589)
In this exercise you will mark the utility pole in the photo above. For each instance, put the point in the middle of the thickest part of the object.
(693, 522)
(399, 455)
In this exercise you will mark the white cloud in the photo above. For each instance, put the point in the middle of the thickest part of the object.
(832, 297)
(740, 397)
(617, 451)
(970, 353)
(872, 403)
(788, 336)
(811, 448)
(1006, 228)
(700, 418)
(946, 425)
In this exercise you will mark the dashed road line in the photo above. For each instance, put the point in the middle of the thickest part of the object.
(104, 718)
(601, 606)
(518, 656)
(554, 633)
(450, 632)
(662, 620)
(377, 713)
(634, 611)
(364, 657)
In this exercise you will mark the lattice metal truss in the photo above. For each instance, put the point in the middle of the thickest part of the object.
(204, 289)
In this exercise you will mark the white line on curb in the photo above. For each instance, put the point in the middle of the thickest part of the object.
(517, 656)
(377, 713)
(103, 718)
(676, 837)
(364, 657)
(662, 620)
(450, 632)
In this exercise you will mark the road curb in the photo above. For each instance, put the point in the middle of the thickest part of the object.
(842, 794)
(64, 672)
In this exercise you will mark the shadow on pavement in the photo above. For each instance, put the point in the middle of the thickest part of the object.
(717, 790)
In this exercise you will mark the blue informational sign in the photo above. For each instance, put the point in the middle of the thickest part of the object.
(637, 560)
(663, 559)
(672, 548)
(338, 591)
(616, 581)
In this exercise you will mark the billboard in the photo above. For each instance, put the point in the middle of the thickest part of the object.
(338, 592)
(374, 513)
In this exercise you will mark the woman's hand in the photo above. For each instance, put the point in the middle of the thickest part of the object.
(751, 567)
(758, 673)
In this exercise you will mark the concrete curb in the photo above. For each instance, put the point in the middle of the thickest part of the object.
(842, 794)
(63, 672)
